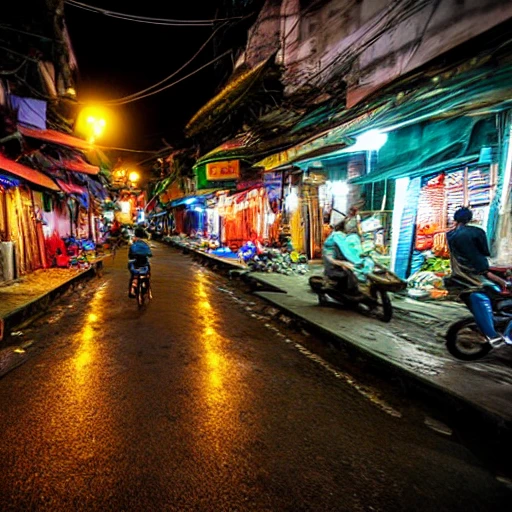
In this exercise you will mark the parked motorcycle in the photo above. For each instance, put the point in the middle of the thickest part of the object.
(464, 339)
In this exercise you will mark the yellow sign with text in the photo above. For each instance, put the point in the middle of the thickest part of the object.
(218, 171)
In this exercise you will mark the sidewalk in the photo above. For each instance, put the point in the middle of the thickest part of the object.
(411, 345)
(25, 297)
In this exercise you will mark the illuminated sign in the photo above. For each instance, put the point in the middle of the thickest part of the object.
(217, 171)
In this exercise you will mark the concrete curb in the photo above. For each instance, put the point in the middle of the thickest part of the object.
(32, 308)
(442, 396)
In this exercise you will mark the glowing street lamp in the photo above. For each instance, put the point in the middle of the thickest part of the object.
(96, 127)
(134, 177)
(91, 122)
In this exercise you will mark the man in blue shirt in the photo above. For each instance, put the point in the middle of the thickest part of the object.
(138, 257)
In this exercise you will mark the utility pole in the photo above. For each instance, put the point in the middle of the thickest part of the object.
(60, 49)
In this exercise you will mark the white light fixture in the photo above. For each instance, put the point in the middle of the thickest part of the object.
(371, 140)
(292, 201)
(126, 207)
(339, 188)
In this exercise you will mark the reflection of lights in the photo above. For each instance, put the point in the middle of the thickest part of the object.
(87, 348)
(190, 200)
(198, 209)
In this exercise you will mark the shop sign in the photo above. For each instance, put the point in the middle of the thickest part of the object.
(219, 171)
(244, 185)
(273, 183)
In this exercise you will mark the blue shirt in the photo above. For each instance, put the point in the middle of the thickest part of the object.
(140, 252)
(468, 245)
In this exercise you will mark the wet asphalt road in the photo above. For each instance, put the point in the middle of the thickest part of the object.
(194, 404)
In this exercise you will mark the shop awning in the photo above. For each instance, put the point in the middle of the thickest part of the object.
(314, 154)
(199, 196)
(55, 137)
(405, 171)
(28, 174)
(79, 165)
(159, 214)
(71, 188)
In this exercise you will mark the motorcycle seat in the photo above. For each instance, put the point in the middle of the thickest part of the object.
(141, 270)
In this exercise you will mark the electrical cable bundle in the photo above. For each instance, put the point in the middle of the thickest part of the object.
(147, 19)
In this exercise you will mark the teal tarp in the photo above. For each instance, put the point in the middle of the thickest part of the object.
(426, 148)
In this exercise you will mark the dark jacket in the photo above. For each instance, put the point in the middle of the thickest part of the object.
(469, 247)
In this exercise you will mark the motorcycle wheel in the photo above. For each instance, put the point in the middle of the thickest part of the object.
(384, 308)
(465, 341)
(322, 299)
(141, 293)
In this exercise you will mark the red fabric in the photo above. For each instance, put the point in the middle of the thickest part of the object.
(179, 220)
(22, 171)
(71, 188)
(79, 165)
(55, 245)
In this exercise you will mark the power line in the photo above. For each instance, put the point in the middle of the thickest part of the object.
(12, 29)
(14, 71)
(146, 19)
(172, 75)
(117, 103)
(26, 57)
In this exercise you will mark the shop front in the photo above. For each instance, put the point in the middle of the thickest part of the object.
(434, 168)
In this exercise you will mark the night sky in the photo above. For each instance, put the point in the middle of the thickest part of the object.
(117, 57)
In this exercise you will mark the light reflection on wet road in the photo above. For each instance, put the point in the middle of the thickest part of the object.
(192, 404)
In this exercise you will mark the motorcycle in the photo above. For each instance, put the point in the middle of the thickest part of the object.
(464, 339)
(142, 285)
(366, 286)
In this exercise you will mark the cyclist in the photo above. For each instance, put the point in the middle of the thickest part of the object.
(138, 257)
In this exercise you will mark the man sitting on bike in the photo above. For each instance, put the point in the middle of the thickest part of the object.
(469, 251)
(336, 266)
(138, 257)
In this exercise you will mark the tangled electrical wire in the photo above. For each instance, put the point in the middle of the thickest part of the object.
(147, 19)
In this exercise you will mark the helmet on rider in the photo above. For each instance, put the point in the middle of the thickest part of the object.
(139, 232)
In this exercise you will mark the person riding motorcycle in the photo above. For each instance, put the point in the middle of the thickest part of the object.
(469, 251)
(138, 257)
(336, 266)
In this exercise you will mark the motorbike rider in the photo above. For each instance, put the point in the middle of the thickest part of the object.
(138, 257)
(469, 251)
(336, 267)
(352, 222)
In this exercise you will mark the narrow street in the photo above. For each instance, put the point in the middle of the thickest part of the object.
(194, 403)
